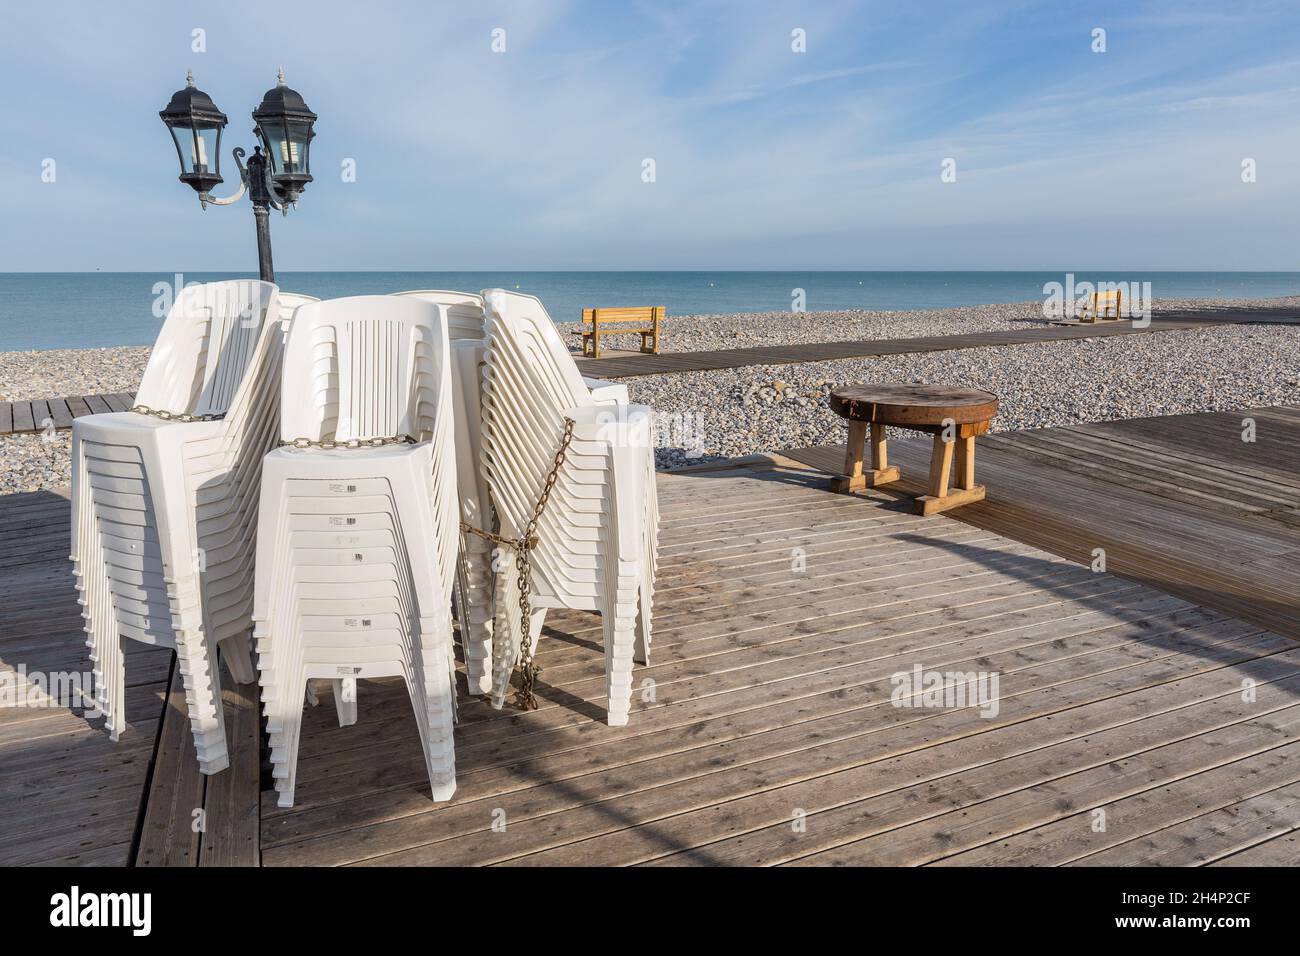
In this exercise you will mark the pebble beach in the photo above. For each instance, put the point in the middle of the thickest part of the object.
(705, 416)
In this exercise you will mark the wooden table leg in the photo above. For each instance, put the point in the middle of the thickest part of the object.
(966, 462)
(855, 477)
(879, 453)
(940, 498)
(940, 467)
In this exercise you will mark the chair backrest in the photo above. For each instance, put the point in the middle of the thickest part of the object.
(529, 381)
(368, 366)
(464, 311)
(525, 345)
(289, 302)
(206, 346)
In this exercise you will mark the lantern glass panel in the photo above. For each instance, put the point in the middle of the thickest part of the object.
(295, 147)
(205, 153)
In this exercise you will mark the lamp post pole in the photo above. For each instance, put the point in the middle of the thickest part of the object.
(278, 170)
(261, 198)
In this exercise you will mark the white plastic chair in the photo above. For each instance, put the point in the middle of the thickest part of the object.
(599, 533)
(474, 577)
(357, 545)
(289, 303)
(464, 311)
(164, 512)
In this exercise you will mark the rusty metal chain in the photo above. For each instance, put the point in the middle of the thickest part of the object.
(525, 699)
(353, 443)
(175, 416)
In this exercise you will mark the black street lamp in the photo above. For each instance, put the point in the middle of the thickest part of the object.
(276, 177)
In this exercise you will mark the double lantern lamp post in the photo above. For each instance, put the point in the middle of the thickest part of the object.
(277, 172)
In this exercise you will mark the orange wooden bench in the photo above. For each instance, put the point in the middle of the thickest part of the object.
(644, 320)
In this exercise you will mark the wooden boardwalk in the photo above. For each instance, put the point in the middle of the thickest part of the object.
(666, 362)
(762, 732)
(67, 794)
(18, 417)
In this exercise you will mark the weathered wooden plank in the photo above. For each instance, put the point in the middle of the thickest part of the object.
(97, 404)
(1281, 850)
(168, 834)
(40, 415)
(60, 412)
(23, 421)
(1222, 828)
(231, 806)
(6, 418)
(77, 405)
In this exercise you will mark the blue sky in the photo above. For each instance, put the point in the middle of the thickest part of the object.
(764, 158)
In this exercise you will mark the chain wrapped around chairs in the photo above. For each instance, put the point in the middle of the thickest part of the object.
(175, 416)
(525, 699)
(329, 443)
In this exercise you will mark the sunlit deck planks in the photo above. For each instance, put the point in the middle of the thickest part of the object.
(782, 612)
(771, 704)
(67, 794)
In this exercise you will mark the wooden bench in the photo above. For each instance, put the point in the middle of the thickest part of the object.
(954, 416)
(644, 320)
(1105, 305)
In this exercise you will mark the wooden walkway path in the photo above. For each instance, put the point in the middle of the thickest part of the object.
(29, 416)
(762, 732)
(666, 362)
(18, 417)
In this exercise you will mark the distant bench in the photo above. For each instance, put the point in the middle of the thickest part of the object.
(1105, 305)
(644, 320)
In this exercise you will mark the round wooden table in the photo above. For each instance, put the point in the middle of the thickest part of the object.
(954, 416)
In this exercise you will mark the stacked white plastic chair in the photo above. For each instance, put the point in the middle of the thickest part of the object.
(473, 569)
(358, 532)
(289, 303)
(598, 536)
(474, 576)
(165, 510)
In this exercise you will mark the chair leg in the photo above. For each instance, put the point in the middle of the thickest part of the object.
(435, 713)
(535, 623)
(505, 632)
(619, 626)
(196, 660)
(345, 700)
(286, 730)
(237, 652)
(474, 610)
(111, 696)
(641, 649)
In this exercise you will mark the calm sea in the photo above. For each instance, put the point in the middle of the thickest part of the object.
(81, 310)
